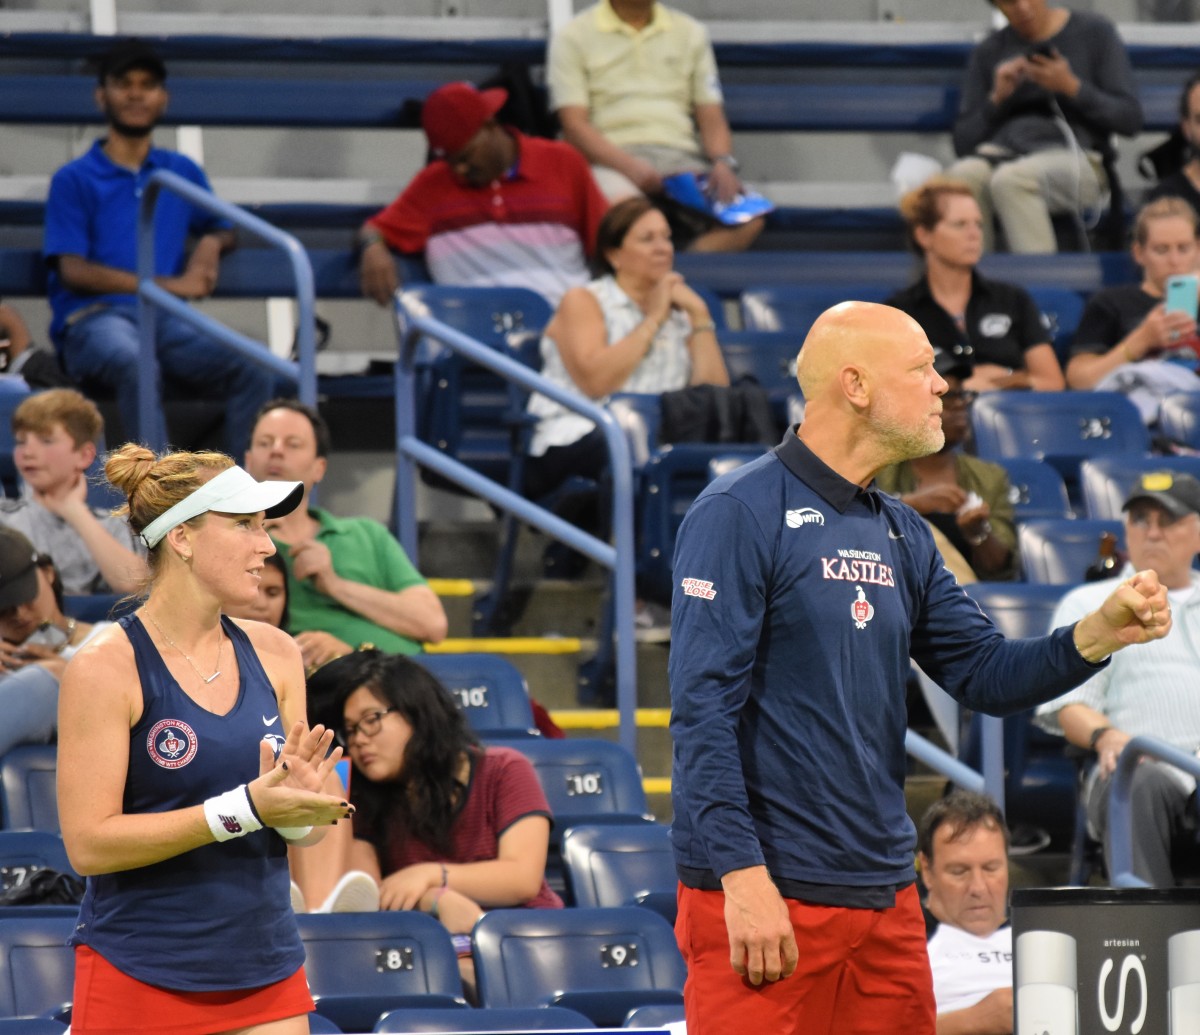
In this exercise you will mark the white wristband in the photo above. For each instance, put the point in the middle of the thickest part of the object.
(293, 833)
(231, 814)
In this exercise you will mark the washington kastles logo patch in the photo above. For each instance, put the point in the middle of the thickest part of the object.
(862, 610)
(171, 743)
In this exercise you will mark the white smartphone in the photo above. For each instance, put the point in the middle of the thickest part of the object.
(1181, 294)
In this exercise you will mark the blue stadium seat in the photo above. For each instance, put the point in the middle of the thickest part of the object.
(730, 273)
(481, 1019)
(31, 1026)
(640, 417)
(1179, 419)
(716, 306)
(99, 607)
(471, 414)
(794, 307)
(360, 965)
(1062, 308)
(13, 392)
(653, 1016)
(28, 799)
(23, 852)
(1057, 552)
(1036, 489)
(1017, 609)
(1106, 481)
(1061, 428)
(726, 462)
(1039, 782)
(100, 493)
(587, 780)
(320, 1025)
(768, 357)
(625, 864)
(489, 689)
(601, 962)
(672, 479)
(37, 967)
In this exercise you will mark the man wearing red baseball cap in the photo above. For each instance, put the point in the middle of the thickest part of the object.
(494, 207)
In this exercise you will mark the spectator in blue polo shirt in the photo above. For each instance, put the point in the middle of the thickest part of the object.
(91, 248)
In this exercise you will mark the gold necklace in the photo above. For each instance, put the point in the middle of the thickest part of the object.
(195, 667)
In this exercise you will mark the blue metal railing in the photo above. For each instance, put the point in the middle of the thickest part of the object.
(1120, 819)
(412, 325)
(990, 781)
(947, 712)
(151, 298)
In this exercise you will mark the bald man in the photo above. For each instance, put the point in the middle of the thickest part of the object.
(801, 593)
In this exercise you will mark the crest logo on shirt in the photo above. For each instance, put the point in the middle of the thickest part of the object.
(276, 742)
(995, 325)
(803, 516)
(862, 610)
(171, 744)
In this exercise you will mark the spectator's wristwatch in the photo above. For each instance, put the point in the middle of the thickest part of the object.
(728, 160)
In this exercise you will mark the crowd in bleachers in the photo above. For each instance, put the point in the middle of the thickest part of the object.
(1067, 386)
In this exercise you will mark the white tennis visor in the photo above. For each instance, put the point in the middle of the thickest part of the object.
(233, 491)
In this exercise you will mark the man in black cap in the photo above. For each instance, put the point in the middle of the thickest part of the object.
(1152, 691)
(964, 499)
(36, 641)
(90, 247)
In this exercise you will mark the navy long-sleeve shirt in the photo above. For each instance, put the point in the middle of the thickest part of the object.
(798, 602)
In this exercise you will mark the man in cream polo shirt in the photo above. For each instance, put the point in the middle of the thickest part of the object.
(636, 89)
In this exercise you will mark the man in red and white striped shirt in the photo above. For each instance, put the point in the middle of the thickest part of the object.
(495, 207)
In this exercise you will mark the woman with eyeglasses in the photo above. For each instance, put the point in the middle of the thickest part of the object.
(442, 823)
(997, 327)
(964, 499)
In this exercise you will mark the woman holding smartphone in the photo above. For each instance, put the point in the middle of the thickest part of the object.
(1139, 338)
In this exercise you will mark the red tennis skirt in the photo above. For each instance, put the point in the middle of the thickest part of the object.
(108, 1002)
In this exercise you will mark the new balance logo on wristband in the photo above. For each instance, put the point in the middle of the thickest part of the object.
(231, 814)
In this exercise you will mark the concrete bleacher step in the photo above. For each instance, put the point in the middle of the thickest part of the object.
(456, 549)
(458, 599)
(550, 665)
(545, 607)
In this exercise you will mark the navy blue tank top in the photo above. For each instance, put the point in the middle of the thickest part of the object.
(219, 916)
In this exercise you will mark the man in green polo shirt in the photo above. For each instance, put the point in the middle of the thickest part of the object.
(349, 581)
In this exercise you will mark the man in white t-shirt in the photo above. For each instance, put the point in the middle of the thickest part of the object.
(962, 846)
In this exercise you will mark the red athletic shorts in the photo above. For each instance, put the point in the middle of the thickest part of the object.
(861, 972)
(108, 1002)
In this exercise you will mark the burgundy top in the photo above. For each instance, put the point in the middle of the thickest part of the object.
(502, 788)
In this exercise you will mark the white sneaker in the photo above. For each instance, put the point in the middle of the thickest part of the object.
(356, 892)
(651, 623)
(298, 904)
